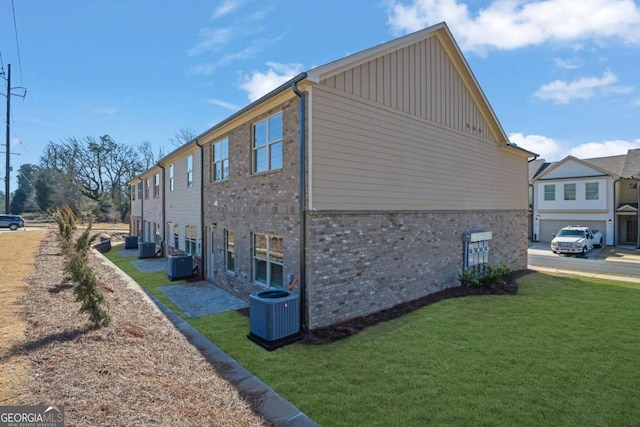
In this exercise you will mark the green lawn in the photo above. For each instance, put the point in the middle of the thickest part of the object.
(564, 351)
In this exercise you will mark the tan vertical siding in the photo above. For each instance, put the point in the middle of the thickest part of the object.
(369, 157)
(420, 80)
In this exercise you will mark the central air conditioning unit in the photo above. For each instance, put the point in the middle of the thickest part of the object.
(274, 318)
(131, 242)
(146, 249)
(179, 266)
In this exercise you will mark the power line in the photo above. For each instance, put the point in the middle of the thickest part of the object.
(15, 29)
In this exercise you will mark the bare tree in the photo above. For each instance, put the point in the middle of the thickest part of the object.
(183, 136)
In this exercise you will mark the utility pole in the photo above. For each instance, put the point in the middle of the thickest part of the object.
(7, 177)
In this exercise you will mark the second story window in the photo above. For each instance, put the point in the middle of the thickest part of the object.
(171, 177)
(156, 186)
(140, 190)
(569, 191)
(591, 191)
(267, 144)
(220, 160)
(146, 188)
(190, 171)
(550, 192)
(133, 192)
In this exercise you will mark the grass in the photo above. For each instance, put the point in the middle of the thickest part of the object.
(561, 352)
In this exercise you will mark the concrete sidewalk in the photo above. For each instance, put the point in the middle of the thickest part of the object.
(585, 274)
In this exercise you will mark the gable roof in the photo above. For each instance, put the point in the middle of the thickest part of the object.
(442, 32)
(631, 167)
(536, 167)
(591, 165)
(620, 166)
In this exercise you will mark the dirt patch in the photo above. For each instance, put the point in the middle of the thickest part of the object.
(329, 334)
(16, 259)
(139, 370)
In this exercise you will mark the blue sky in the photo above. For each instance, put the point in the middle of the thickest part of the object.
(561, 75)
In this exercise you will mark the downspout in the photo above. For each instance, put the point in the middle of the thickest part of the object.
(164, 204)
(302, 209)
(141, 238)
(202, 236)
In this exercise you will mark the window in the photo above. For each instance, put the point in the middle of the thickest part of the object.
(267, 144)
(146, 188)
(267, 260)
(190, 239)
(190, 171)
(133, 192)
(591, 191)
(140, 190)
(156, 186)
(230, 250)
(569, 191)
(220, 160)
(550, 192)
(157, 233)
(171, 177)
(176, 236)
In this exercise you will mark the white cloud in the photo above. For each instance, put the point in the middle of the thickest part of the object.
(603, 149)
(546, 147)
(260, 83)
(226, 8)
(511, 24)
(213, 40)
(562, 92)
(568, 64)
(223, 104)
(552, 151)
(105, 111)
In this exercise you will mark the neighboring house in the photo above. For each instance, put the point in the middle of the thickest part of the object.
(147, 206)
(601, 193)
(355, 182)
(182, 195)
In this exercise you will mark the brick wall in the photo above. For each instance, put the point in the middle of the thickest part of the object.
(359, 263)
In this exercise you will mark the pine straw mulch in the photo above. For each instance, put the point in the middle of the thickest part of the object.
(139, 370)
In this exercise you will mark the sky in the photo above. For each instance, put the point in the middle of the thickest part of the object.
(561, 75)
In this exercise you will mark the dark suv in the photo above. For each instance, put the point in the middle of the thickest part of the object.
(12, 221)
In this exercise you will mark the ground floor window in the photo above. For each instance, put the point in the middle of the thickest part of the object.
(268, 260)
(157, 232)
(190, 239)
(176, 236)
(230, 250)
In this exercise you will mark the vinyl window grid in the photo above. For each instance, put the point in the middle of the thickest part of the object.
(146, 188)
(591, 191)
(267, 144)
(550, 192)
(171, 177)
(569, 191)
(190, 171)
(230, 250)
(140, 190)
(268, 260)
(220, 160)
(190, 239)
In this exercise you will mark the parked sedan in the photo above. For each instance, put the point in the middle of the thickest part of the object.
(12, 222)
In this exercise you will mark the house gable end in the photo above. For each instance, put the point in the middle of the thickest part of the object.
(571, 167)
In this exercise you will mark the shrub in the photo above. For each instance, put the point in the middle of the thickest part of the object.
(484, 276)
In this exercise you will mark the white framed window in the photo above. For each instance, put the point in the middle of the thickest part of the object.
(140, 190)
(190, 171)
(190, 239)
(176, 236)
(220, 160)
(230, 250)
(569, 191)
(157, 232)
(146, 188)
(267, 144)
(133, 192)
(550, 192)
(171, 177)
(591, 191)
(156, 186)
(268, 259)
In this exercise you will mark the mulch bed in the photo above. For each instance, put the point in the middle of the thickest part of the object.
(329, 334)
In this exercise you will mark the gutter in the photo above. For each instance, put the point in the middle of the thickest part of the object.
(302, 194)
(202, 236)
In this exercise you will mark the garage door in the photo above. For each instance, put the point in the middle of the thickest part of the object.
(549, 227)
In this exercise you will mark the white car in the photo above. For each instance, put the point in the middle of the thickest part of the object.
(576, 240)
